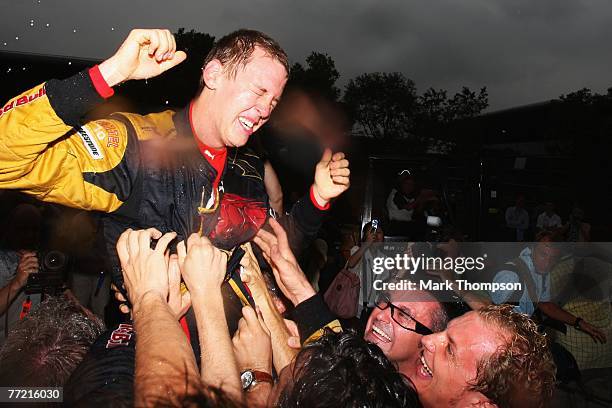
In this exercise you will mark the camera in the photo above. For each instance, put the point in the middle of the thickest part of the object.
(51, 274)
(374, 225)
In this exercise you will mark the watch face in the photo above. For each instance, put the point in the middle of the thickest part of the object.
(247, 379)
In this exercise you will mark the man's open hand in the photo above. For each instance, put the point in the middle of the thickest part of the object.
(287, 272)
(143, 54)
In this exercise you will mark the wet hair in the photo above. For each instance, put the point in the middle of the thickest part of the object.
(522, 372)
(439, 318)
(236, 48)
(344, 370)
(43, 349)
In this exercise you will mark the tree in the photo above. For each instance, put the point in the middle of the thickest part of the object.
(382, 104)
(432, 106)
(319, 76)
(466, 104)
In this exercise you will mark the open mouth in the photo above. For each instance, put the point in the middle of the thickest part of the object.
(246, 124)
(425, 371)
(380, 334)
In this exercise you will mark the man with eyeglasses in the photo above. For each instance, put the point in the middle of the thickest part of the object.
(397, 324)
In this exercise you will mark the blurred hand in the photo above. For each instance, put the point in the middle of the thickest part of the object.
(370, 236)
(294, 340)
(145, 53)
(202, 265)
(251, 342)
(144, 269)
(332, 177)
(28, 263)
(597, 335)
(252, 276)
(287, 272)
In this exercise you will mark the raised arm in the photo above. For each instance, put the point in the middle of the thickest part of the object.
(252, 276)
(332, 178)
(162, 373)
(46, 149)
(203, 269)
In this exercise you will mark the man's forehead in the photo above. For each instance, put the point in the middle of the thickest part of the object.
(259, 56)
(471, 333)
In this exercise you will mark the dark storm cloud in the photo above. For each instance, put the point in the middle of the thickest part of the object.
(523, 51)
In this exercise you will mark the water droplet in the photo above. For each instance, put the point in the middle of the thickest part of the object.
(74, 30)
(47, 25)
(69, 62)
(8, 70)
(112, 28)
(166, 102)
(5, 44)
(23, 69)
(146, 81)
(17, 38)
(31, 24)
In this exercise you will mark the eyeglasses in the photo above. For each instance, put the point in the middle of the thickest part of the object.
(402, 318)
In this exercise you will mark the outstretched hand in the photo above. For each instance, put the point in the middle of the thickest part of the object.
(597, 335)
(287, 272)
(145, 53)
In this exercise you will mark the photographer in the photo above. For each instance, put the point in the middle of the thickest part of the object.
(17, 262)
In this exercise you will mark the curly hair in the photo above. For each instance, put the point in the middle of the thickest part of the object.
(236, 48)
(522, 372)
(344, 370)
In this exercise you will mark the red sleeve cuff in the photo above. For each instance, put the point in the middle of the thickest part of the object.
(314, 201)
(99, 83)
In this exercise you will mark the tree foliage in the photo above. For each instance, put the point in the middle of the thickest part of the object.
(436, 107)
(319, 76)
(382, 104)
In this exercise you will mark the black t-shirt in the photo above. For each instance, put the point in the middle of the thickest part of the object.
(105, 377)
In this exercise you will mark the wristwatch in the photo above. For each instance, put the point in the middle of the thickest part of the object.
(251, 377)
(577, 323)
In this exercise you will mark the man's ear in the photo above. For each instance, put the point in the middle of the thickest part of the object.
(212, 73)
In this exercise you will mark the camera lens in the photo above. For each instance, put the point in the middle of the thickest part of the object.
(54, 260)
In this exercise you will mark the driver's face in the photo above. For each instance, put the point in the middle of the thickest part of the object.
(244, 102)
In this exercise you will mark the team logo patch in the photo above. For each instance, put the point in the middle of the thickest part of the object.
(121, 336)
(23, 100)
(109, 129)
(90, 143)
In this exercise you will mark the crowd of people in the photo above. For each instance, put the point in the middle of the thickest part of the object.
(518, 222)
(215, 308)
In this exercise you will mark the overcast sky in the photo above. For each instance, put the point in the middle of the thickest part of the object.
(523, 51)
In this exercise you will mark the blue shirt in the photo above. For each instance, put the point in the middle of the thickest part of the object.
(526, 304)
